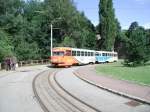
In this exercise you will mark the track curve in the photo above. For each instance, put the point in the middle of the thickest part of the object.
(96, 97)
(53, 98)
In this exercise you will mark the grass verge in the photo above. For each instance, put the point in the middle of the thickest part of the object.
(140, 75)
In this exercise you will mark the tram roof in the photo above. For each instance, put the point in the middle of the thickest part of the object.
(69, 48)
(105, 52)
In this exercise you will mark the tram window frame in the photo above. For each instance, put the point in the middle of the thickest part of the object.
(73, 53)
(82, 53)
(103, 54)
(78, 53)
(85, 53)
(58, 53)
(68, 53)
(88, 53)
(97, 54)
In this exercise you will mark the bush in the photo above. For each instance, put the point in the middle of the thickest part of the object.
(137, 51)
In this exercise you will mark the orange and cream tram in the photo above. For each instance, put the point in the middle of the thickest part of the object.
(65, 56)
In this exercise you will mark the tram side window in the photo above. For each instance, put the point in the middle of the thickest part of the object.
(97, 54)
(92, 54)
(88, 53)
(58, 53)
(85, 53)
(82, 53)
(78, 53)
(54, 53)
(68, 53)
(104, 54)
(73, 53)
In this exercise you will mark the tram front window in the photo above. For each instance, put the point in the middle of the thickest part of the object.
(60, 53)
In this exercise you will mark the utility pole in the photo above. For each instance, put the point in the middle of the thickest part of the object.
(43, 12)
(52, 33)
(51, 39)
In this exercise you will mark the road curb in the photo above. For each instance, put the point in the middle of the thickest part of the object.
(111, 90)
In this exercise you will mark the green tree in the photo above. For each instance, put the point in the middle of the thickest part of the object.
(26, 51)
(73, 24)
(137, 51)
(5, 46)
(119, 41)
(108, 27)
(28, 25)
(68, 42)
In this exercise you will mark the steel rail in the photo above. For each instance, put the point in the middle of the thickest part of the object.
(64, 99)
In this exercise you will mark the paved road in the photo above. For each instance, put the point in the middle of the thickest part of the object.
(16, 94)
(98, 98)
(53, 98)
(122, 87)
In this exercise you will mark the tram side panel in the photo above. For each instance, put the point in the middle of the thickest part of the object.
(102, 56)
(65, 56)
(83, 56)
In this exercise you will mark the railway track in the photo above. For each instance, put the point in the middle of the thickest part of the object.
(53, 98)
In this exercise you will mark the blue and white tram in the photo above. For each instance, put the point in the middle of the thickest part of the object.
(106, 56)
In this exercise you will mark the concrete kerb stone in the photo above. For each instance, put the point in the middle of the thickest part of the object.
(111, 90)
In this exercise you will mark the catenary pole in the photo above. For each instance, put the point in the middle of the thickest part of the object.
(51, 39)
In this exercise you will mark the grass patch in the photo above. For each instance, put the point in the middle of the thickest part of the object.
(140, 75)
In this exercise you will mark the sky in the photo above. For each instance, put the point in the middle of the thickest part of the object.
(127, 11)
